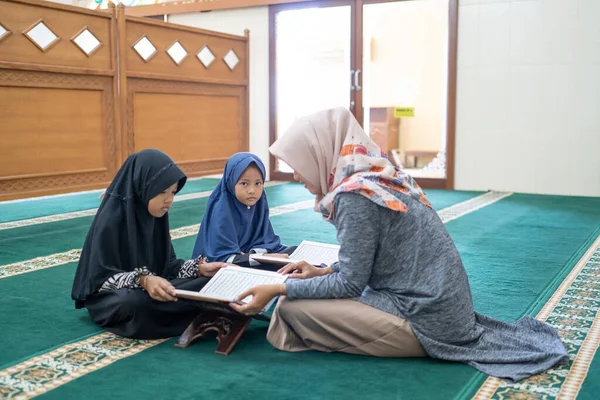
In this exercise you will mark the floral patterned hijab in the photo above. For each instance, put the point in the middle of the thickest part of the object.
(332, 152)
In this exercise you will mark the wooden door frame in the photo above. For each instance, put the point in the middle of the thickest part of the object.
(356, 63)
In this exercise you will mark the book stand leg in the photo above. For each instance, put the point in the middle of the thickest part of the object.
(229, 328)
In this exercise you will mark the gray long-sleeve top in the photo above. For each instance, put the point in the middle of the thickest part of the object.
(406, 264)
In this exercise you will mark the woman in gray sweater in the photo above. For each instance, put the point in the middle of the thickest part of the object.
(399, 288)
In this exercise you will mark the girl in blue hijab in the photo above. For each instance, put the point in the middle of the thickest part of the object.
(236, 223)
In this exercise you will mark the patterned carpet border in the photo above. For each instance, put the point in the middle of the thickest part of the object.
(466, 207)
(35, 264)
(573, 312)
(23, 267)
(447, 215)
(91, 212)
(41, 374)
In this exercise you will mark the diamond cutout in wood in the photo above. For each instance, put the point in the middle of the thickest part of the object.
(3, 32)
(177, 52)
(231, 59)
(206, 56)
(41, 35)
(145, 48)
(86, 41)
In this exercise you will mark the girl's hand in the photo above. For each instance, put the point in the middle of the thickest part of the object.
(303, 270)
(261, 295)
(210, 269)
(158, 288)
(277, 255)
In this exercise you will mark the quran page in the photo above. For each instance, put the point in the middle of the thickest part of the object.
(229, 282)
(314, 253)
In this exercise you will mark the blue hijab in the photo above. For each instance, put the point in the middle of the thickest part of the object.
(230, 227)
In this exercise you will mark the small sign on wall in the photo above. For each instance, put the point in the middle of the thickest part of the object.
(402, 112)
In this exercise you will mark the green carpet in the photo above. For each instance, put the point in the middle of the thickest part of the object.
(23, 337)
(516, 252)
(519, 243)
(441, 199)
(591, 386)
(28, 242)
(18, 210)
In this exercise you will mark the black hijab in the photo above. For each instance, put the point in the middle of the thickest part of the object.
(124, 235)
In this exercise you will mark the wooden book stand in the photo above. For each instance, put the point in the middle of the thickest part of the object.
(220, 318)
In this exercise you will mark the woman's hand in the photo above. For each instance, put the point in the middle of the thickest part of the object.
(261, 295)
(210, 269)
(158, 288)
(303, 270)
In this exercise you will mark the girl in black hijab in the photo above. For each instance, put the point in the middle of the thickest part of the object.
(128, 270)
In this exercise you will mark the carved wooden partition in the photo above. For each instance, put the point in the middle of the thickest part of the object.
(58, 105)
(76, 97)
(190, 98)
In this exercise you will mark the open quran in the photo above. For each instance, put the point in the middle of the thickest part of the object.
(231, 281)
(314, 253)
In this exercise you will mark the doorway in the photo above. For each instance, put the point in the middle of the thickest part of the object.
(391, 63)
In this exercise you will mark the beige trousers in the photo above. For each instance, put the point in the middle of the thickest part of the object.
(346, 326)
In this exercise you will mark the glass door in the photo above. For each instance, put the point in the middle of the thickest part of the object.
(311, 68)
(405, 83)
(391, 62)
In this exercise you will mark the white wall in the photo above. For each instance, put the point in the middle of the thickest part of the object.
(528, 109)
(256, 19)
(528, 101)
